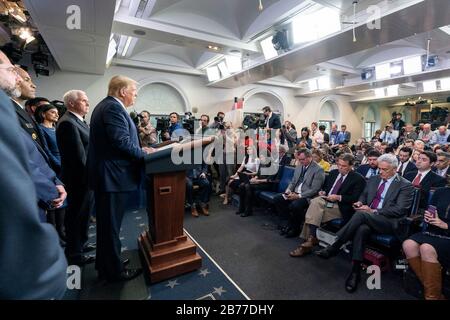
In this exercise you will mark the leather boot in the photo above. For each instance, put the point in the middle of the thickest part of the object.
(432, 280)
(416, 265)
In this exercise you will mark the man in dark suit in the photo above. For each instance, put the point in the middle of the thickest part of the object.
(114, 171)
(342, 188)
(371, 168)
(33, 264)
(384, 203)
(305, 185)
(442, 164)
(198, 176)
(272, 120)
(425, 179)
(72, 134)
(406, 166)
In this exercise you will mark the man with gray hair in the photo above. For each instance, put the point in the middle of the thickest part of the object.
(72, 135)
(384, 203)
(442, 164)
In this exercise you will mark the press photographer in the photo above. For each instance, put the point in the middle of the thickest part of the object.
(289, 134)
(147, 133)
(254, 121)
(218, 121)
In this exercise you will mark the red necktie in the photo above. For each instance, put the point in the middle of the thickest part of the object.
(416, 182)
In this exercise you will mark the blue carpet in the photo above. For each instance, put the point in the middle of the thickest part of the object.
(207, 283)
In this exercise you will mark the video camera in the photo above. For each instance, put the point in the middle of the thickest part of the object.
(221, 125)
(254, 121)
(162, 124)
(189, 122)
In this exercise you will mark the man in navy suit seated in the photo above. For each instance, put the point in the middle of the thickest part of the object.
(406, 166)
(198, 176)
(32, 265)
(424, 178)
(115, 163)
(371, 168)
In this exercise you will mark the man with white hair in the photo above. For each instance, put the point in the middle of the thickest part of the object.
(115, 162)
(440, 136)
(384, 203)
(72, 135)
(426, 134)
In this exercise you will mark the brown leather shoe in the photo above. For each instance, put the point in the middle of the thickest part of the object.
(311, 242)
(194, 212)
(300, 251)
(205, 210)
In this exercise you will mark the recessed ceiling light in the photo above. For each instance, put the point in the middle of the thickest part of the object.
(139, 32)
(234, 51)
(215, 48)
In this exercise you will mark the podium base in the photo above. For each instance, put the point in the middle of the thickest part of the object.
(168, 259)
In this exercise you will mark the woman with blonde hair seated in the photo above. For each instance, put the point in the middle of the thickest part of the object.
(317, 156)
(429, 250)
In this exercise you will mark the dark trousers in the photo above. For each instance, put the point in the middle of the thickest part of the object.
(110, 209)
(247, 194)
(77, 221)
(359, 228)
(296, 209)
(203, 192)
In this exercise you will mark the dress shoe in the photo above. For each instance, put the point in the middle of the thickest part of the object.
(239, 212)
(82, 260)
(246, 214)
(125, 262)
(327, 252)
(126, 275)
(351, 284)
(205, 210)
(89, 247)
(300, 252)
(311, 242)
(194, 212)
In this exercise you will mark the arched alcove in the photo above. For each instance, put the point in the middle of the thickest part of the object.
(256, 99)
(328, 113)
(160, 98)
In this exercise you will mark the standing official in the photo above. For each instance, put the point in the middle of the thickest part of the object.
(72, 134)
(114, 170)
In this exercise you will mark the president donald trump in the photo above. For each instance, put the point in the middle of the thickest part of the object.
(114, 163)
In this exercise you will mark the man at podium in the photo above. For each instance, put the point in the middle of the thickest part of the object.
(115, 167)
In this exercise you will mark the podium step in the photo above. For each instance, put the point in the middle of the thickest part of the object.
(170, 259)
(178, 251)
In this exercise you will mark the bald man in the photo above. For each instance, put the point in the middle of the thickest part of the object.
(33, 264)
(26, 89)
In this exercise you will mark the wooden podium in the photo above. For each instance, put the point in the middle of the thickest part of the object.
(166, 249)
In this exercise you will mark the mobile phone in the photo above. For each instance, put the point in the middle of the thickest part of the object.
(432, 210)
